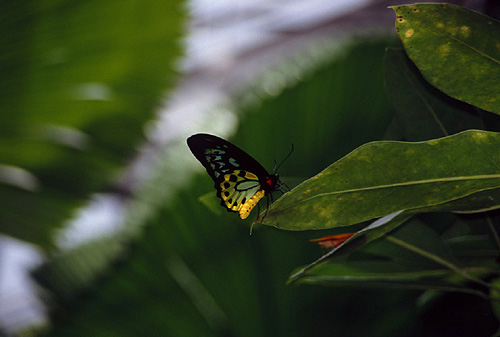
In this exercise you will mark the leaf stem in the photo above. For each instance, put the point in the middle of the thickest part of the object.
(439, 260)
(494, 231)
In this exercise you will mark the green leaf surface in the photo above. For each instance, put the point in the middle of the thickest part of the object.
(380, 178)
(473, 250)
(371, 270)
(422, 111)
(455, 49)
(372, 273)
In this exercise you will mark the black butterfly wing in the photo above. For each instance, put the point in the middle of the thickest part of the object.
(237, 176)
(210, 149)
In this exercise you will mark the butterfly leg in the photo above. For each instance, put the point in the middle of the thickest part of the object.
(267, 207)
(268, 196)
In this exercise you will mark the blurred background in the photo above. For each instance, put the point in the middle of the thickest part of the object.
(102, 231)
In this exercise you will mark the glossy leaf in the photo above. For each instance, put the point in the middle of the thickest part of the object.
(455, 49)
(380, 178)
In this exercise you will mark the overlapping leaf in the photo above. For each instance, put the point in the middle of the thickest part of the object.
(413, 256)
(422, 111)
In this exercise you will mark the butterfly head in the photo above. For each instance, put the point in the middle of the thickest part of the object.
(271, 183)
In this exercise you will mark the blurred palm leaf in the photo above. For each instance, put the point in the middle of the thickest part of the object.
(78, 83)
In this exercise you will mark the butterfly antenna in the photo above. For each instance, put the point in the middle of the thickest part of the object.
(276, 167)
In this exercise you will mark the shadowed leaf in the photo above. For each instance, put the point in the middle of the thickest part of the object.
(422, 111)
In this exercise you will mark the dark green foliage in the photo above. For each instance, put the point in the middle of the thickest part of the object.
(191, 272)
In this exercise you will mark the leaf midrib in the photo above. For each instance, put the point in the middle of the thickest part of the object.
(406, 183)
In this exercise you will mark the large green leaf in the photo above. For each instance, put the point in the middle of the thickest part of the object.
(455, 49)
(384, 177)
(79, 80)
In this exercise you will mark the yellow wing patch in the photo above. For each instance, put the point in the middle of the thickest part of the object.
(240, 191)
(250, 204)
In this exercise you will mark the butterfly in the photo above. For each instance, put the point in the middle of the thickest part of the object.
(239, 179)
